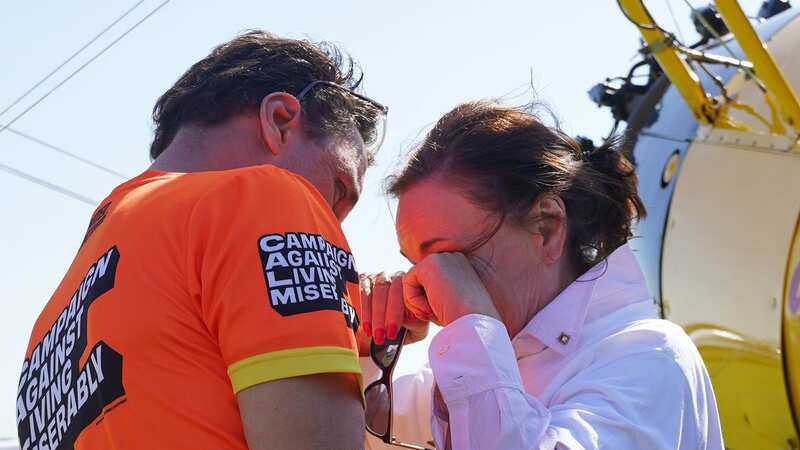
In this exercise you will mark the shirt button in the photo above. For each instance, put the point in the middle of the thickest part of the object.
(564, 338)
(444, 349)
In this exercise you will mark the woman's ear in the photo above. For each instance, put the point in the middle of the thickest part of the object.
(279, 118)
(549, 216)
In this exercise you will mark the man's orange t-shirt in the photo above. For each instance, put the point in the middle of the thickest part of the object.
(187, 289)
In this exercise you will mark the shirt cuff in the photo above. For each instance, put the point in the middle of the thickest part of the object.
(473, 354)
(291, 363)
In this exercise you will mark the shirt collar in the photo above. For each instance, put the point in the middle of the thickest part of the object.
(611, 284)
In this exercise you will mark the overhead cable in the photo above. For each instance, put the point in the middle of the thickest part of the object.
(83, 66)
(66, 61)
(68, 153)
(48, 185)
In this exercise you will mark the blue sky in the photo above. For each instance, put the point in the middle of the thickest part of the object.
(420, 58)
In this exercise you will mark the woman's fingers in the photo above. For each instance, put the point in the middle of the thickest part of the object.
(365, 281)
(386, 306)
(447, 285)
(380, 297)
(414, 296)
(395, 310)
(419, 309)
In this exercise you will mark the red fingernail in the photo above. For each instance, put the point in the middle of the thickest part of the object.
(367, 329)
(378, 336)
(391, 331)
(409, 316)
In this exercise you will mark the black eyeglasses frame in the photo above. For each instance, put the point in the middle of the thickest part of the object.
(386, 380)
(303, 92)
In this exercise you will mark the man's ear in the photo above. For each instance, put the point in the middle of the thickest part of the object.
(549, 216)
(279, 118)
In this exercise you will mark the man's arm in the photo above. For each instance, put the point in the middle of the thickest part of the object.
(287, 341)
(311, 412)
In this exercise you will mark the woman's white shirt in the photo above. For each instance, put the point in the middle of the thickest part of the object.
(595, 369)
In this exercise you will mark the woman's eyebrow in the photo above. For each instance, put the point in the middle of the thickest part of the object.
(425, 246)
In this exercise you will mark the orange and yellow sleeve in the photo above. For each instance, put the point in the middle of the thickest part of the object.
(276, 282)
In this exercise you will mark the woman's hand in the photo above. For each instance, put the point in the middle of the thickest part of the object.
(383, 310)
(443, 287)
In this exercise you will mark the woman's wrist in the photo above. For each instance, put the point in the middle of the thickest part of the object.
(480, 308)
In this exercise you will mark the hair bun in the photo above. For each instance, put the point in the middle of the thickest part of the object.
(607, 158)
(587, 147)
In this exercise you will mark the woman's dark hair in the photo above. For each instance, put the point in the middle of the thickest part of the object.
(504, 158)
(237, 75)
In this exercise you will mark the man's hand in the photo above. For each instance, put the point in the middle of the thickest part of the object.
(384, 312)
(443, 287)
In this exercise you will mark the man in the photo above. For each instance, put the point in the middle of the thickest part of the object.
(214, 300)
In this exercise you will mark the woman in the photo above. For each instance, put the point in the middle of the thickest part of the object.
(519, 244)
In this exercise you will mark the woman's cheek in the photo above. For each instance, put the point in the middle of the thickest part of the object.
(489, 278)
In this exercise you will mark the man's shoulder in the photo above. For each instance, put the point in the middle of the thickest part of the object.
(231, 188)
(258, 183)
(257, 198)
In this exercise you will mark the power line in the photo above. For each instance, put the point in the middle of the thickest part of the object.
(84, 65)
(68, 153)
(66, 61)
(709, 28)
(675, 20)
(48, 185)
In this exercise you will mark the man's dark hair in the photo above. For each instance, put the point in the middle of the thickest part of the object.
(238, 74)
